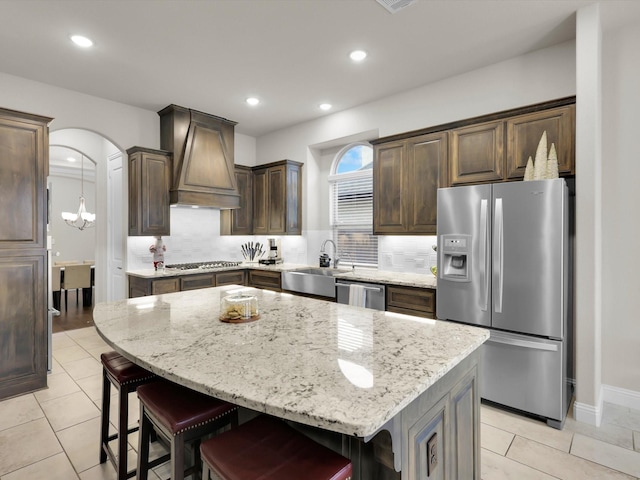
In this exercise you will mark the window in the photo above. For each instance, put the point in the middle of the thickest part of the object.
(351, 183)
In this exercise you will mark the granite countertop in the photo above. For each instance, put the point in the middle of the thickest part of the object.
(174, 272)
(337, 367)
(360, 274)
(390, 278)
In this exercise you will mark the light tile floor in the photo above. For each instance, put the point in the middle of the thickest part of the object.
(54, 433)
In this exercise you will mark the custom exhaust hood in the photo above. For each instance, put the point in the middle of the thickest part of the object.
(203, 157)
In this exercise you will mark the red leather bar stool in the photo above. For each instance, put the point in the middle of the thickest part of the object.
(126, 376)
(268, 449)
(180, 415)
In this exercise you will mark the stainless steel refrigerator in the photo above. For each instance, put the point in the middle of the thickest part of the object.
(503, 263)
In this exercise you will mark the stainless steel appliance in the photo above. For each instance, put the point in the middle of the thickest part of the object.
(374, 294)
(503, 263)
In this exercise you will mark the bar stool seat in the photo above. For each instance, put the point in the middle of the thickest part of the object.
(126, 376)
(268, 449)
(180, 415)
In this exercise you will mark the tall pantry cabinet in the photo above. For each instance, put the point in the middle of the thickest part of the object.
(24, 166)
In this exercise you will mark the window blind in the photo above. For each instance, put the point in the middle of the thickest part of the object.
(352, 217)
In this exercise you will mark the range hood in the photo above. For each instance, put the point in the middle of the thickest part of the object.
(203, 148)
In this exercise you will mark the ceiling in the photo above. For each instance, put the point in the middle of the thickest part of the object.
(210, 55)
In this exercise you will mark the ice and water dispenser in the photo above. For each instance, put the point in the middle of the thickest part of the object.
(455, 251)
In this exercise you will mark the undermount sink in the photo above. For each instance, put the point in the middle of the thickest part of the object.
(312, 281)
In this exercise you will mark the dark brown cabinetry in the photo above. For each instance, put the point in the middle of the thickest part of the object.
(149, 181)
(524, 132)
(24, 166)
(406, 176)
(194, 282)
(265, 279)
(411, 301)
(271, 201)
(236, 277)
(239, 221)
(477, 153)
(409, 168)
(140, 287)
(498, 150)
(277, 198)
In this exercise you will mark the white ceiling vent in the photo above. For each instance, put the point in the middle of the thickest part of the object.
(394, 6)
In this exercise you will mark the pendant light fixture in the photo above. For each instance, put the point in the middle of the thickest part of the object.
(81, 219)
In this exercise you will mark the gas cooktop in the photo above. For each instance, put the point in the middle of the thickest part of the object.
(203, 265)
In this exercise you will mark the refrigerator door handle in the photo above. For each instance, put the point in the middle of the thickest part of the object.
(498, 254)
(523, 343)
(484, 270)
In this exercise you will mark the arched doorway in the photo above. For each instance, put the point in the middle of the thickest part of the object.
(110, 206)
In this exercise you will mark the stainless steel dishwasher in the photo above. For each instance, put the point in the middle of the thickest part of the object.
(374, 293)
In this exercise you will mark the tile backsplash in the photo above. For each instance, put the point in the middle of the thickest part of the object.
(411, 254)
(196, 237)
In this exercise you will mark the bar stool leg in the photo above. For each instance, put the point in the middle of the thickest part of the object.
(123, 420)
(143, 445)
(104, 428)
(177, 457)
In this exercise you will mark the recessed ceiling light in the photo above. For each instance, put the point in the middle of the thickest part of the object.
(253, 101)
(325, 106)
(358, 55)
(81, 41)
(71, 159)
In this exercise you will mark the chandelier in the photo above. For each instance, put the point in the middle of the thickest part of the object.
(81, 219)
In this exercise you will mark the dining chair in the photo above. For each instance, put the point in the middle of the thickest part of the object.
(88, 262)
(56, 286)
(75, 277)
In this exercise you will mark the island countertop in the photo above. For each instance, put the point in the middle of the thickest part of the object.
(342, 368)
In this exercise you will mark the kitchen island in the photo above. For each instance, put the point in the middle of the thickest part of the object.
(347, 371)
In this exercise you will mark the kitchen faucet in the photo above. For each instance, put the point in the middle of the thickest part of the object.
(335, 251)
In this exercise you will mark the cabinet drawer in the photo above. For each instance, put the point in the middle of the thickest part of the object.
(412, 301)
(193, 282)
(167, 285)
(230, 278)
(263, 279)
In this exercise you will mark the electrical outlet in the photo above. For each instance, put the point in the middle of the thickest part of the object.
(432, 454)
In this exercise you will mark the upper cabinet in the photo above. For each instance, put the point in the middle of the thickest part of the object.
(498, 150)
(277, 198)
(270, 201)
(406, 177)
(24, 166)
(239, 221)
(524, 132)
(477, 153)
(409, 168)
(149, 180)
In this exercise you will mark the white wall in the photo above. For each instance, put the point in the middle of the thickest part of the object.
(621, 220)
(588, 255)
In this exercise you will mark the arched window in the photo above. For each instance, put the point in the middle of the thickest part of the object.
(351, 182)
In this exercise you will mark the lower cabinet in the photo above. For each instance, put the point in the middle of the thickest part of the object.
(140, 287)
(411, 301)
(265, 279)
(193, 282)
(236, 277)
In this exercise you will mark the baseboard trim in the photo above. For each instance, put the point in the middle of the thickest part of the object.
(591, 414)
(621, 396)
